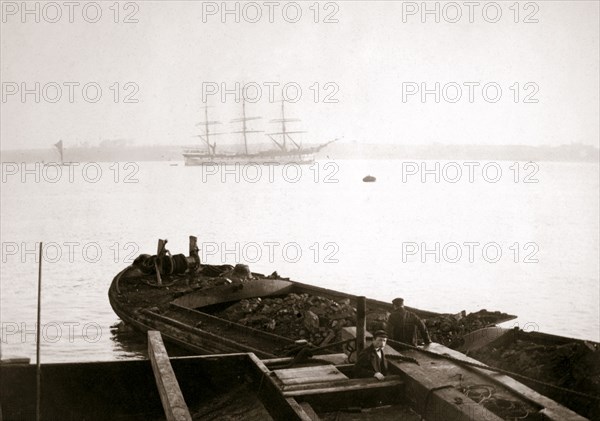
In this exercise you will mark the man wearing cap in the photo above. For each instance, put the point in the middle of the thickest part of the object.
(404, 325)
(371, 361)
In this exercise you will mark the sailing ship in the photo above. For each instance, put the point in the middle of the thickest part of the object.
(287, 151)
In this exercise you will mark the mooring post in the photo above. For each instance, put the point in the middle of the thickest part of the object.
(361, 323)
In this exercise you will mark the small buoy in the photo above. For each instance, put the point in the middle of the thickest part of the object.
(369, 179)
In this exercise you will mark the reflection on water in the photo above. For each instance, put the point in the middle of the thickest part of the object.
(349, 235)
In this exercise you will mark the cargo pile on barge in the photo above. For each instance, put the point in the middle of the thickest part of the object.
(321, 320)
(210, 309)
(573, 365)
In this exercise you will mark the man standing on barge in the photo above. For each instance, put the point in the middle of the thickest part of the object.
(404, 325)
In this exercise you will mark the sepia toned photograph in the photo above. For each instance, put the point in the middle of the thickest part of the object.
(300, 210)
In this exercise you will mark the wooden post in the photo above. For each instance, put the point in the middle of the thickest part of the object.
(361, 323)
(194, 252)
(193, 245)
(158, 262)
(38, 368)
(170, 393)
(157, 269)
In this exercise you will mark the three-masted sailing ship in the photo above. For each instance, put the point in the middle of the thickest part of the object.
(287, 151)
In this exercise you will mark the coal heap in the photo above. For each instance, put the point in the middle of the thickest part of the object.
(319, 320)
(297, 316)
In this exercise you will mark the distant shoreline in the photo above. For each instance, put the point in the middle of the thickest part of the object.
(564, 153)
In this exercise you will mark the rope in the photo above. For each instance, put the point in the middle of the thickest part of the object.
(484, 394)
(163, 285)
(496, 369)
(473, 393)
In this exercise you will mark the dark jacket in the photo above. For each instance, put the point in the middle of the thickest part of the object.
(368, 363)
(404, 325)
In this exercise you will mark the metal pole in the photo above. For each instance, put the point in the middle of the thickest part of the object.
(37, 346)
(361, 323)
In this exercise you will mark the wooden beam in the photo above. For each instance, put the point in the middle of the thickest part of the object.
(279, 406)
(301, 410)
(343, 383)
(436, 400)
(361, 323)
(309, 411)
(170, 394)
(356, 384)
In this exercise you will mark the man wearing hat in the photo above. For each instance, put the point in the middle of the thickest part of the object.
(371, 361)
(404, 325)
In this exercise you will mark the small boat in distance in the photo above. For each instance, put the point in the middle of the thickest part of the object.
(59, 146)
(369, 179)
(288, 150)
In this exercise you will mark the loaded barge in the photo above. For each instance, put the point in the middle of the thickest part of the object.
(210, 309)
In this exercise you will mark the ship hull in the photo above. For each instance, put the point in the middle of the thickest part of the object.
(194, 158)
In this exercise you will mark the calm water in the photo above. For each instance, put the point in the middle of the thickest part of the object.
(363, 238)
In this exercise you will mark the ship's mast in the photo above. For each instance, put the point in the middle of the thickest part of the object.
(207, 133)
(283, 131)
(244, 125)
(285, 134)
(206, 130)
(243, 120)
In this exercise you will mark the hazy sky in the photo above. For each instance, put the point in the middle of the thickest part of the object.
(375, 52)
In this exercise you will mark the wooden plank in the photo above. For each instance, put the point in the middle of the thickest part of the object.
(312, 380)
(305, 375)
(552, 410)
(178, 330)
(336, 383)
(309, 411)
(298, 371)
(279, 407)
(227, 293)
(352, 385)
(309, 371)
(435, 394)
(170, 394)
(482, 337)
(258, 363)
(335, 359)
(300, 411)
(324, 375)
